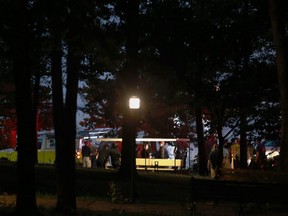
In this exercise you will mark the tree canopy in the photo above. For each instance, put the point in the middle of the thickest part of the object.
(194, 64)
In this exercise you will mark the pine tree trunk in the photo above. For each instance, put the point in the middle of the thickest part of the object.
(129, 80)
(26, 140)
(280, 40)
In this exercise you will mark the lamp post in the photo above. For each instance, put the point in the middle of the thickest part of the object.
(134, 104)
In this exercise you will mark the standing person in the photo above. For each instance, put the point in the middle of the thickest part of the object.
(115, 156)
(162, 152)
(181, 151)
(226, 154)
(235, 154)
(94, 156)
(209, 142)
(170, 150)
(103, 157)
(250, 154)
(213, 161)
(147, 151)
(260, 154)
(86, 153)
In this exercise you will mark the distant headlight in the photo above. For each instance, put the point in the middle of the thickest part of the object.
(78, 155)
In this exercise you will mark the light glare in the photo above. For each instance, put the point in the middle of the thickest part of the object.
(134, 103)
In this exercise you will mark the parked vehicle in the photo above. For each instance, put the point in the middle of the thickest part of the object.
(45, 149)
(8, 154)
(46, 146)
(272, 148)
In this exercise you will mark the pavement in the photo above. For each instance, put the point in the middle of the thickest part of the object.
(233, 209)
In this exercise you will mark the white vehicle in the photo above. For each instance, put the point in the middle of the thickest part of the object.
(272, 148)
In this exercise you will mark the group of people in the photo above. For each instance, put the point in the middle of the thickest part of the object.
(179, 152)
(110, 154)
(257, 161)
(147, 151)
(99, 157)
(256, 154)
(260, 155)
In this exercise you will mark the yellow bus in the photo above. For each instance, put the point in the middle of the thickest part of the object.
(45, 149)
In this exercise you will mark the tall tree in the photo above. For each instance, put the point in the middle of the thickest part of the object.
(26, 199)
(128, 79)
(57, 9)
(66, 201)
(279, 22)
(129, 87)
(65, 38)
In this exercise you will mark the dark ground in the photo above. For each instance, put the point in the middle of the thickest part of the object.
(158, 193)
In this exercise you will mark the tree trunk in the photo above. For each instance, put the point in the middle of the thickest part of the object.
(201, 147)
(280, 39)
(58, 115)
(66, 201)
(129, 79)
(35, 111)
(218, 113)
(26, 140)
(243, 139)
(221, 143)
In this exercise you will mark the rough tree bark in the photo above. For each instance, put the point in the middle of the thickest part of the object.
(26, 140)
(280, 40)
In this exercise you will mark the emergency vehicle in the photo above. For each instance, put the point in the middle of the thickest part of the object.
(45, 149)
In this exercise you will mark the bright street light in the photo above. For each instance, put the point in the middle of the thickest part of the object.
(134, 103)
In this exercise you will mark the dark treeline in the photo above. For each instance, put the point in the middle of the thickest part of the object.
(195, 61)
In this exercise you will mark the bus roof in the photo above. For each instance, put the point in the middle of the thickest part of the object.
(141, 139)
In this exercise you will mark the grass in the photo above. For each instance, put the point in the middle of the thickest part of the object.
(157, 188)
(100, 184)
